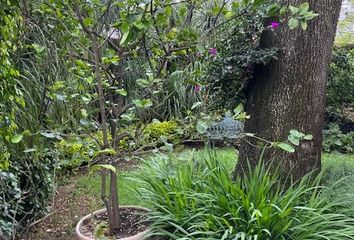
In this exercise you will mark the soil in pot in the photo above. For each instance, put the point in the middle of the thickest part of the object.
(133, 221)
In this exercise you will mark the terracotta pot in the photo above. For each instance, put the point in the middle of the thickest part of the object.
(80, 236)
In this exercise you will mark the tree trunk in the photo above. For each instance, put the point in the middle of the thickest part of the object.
(289, 93)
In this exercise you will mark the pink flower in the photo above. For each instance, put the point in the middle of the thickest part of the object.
(274, 25)
(213, 52)
(197, 88)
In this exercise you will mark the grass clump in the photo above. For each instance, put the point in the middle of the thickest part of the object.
(195, 198)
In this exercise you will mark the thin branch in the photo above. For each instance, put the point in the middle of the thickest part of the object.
(219, 13)
(223, 23)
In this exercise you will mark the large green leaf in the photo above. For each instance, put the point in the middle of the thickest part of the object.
(109, 151)
(98, 167)
(286, 147)
(16, 138)
(142, 103)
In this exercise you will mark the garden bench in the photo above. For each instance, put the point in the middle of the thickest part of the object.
(228, 128)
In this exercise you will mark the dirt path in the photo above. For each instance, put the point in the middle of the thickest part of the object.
(69, 208)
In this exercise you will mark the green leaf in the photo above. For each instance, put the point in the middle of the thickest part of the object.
(286, 147)
(112, 60)
(304, 25)
(84, 113)
(143, 82)
(238, 109)
(294, 10)
(296, 133)
(109, 151)
(196, 104)
(201, 127)
(310, 15)
(142, 103)
(26, 132)
(293, 23)
(126, 117)
(16, 138)
(308, 137)
(38, 48)
(125, 37)
(139, 25)
(303, 8)
(28, 150)
(294, 140)
(103, 166)
(88, 21)
(283, 11)
(272, 8)
(122, 92)
(51, 135)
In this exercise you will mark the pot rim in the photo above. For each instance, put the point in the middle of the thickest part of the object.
(88, 216)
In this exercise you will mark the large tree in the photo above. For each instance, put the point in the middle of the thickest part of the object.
(289, 93)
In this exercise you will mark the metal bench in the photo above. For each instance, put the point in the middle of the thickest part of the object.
(228, 128)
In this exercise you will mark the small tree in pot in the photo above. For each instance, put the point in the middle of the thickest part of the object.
(117, 35)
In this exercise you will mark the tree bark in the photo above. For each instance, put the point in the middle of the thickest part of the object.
(289, 93)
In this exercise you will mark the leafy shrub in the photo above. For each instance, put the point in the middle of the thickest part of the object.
(336, 140)
(10, 197)
(75, 150)
(238, 52)
(340, 85)
(169, 129)
(198, 200)
(25, 188)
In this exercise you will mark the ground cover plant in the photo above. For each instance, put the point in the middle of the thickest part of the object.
(195, 198)
(336, 167)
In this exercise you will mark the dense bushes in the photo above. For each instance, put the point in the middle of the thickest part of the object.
(339, 131)
(25, 188)
(340, 88)
(169, 129)
(196, 199)
(335, 140)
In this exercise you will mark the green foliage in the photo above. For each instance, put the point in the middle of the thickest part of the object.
(170, 129)
(198, 200)
(335, 140)
(300, 16)
(75, 151)
(340, 85)
(176, 96)
(10, 196)
(238, 51)
(10, 95)
(25, 188)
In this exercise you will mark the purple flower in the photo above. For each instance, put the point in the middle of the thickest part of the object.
(213, 52)
(197, 88)
(274, 24)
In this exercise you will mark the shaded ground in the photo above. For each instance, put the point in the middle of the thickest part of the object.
(69, 208)
(71, 203)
